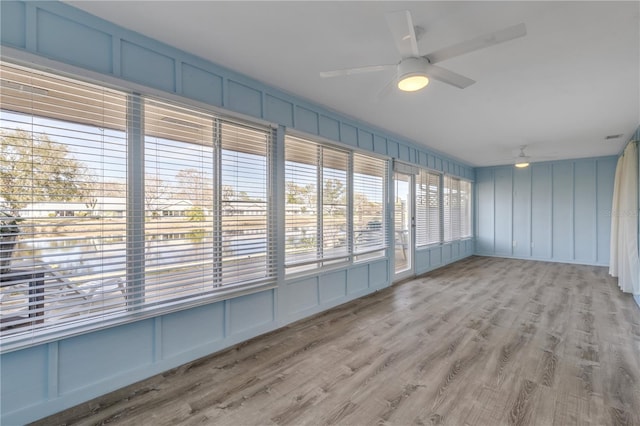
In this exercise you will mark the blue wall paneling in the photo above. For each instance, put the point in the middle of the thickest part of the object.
(557, 211)
(522, 212)
(45, 378)
(545, 212)
(541, 211)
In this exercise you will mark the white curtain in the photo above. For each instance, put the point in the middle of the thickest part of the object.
(624, 262)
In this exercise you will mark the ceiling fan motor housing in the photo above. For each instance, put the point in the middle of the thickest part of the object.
(412, 73)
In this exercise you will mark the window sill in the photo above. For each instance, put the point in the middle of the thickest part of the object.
(29, 338)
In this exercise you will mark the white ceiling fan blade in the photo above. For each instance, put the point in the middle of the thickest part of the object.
(477, 43)
(404, 35)
(448, 77)
(357, 70)
(387, 90)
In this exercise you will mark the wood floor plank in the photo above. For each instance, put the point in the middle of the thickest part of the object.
(484, 341)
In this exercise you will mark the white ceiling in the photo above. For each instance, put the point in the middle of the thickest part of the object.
(570, 82)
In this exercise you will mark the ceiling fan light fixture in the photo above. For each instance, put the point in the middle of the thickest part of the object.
(522, 160)
(413, 82)
(411, 74)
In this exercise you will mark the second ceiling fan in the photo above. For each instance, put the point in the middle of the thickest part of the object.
(415, 70)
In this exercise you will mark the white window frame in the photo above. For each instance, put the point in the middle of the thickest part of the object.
(134, 308)
(294, 268)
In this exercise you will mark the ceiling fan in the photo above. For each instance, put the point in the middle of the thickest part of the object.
(522, 160)
(415, 70)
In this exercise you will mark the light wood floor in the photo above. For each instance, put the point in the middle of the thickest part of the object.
(484, 341)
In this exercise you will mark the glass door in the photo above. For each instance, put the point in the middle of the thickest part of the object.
(403, 225)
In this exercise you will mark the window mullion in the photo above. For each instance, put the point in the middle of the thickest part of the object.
(320, 206)
(135, 247)
(441, 180)
(277, 201)
(217, 204)
(350, 211)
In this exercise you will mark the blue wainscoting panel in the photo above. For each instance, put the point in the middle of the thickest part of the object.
(251, 311)
(357, 279)
(63, 39)
(279, 111)
(541, 211)
(333, 286)
(349, 134)
(446, 253)
(435, 257)
(244, 99)
(585, 211)
(329, 128)
(470, 246)
(558, 211)
(423, 261)
(185, 330)
(380, 144)
(201, 85)
(392, 149)
(423, 159)
(24, 378)
(307, 120)
(604, 194)
(432, 162)
(445, 166)
(365, 140)
(503, 199)
(403, 153)
(378, 273)
(485, 208)
(301, 295)
(562, 181)
(146, 66)
(12, 23)
(89, 358)
(522, 211)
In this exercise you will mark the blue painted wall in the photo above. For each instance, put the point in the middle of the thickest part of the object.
(43, 379)
(556, 211)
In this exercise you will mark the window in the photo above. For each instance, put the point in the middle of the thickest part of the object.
(115, 220)
(369, 195)
(457, 208)
(427, 208)
(316, 204)
(465, 209)
(206, 181)
(321, 184)
(63, 178)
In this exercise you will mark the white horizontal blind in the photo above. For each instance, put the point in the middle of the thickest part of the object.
(465, 209)
(434, 197)
(449, 210)
(63, 173)
(206, 210)
(427, 208)
(369, 219)
(178, 202)
(334, 203)
(248, 251)
(457, 208)
(301, 201)
(204, 223)
(316, 204)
